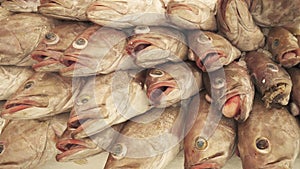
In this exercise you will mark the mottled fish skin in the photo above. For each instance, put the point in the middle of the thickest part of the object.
(193, 14)
(34, 138)
(236, 23)
(98, 50)
(23, 31)
(270, 79)
(294, 28)
(21, 5)
(50, 50)
(269, 138)
(295, 95)
(284, 47)
(11, 78)
(65, 9)
(106, 100)
(42, 95)
(201, 152)
(127, 13)
(234, 91)
(269, 13)
(150, 46)
(170, 83)
(210, 51)
(140, 148)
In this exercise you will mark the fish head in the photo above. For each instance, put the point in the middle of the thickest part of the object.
(211, 51)
(284, 46)
(96, 50)
(44, 94)
(21, 5)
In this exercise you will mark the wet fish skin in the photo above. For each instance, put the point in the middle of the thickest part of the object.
(210, 51)
(295, 96)
(4, 13)
(284, 47)
(21, 5)
(270, 79)
(51, 48)
(269, 138)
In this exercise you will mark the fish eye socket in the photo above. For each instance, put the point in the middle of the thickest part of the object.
(1, 148)
(272, 67)
(141, 29)
(204, 39)
(119, 151)
(83, 100)
(80, 43)
(51, 38)
(201, 143)
(28, 85)
(156, 73)
(263, 145)
(276, 42)
(219, 83)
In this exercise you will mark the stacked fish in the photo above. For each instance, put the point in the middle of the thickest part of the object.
(146, 79)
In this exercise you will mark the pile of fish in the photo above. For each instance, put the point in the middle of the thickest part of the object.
(144, 80)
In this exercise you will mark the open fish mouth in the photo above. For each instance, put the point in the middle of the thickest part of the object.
(209, 59)
(291, 55)
(135, 47)
(70, 147)
(174, 7)
(13, 106)
(277, 94)
(118, 7)
(72, 63)
(205, 166)
(157, 91)
(232, 106)
(46, 59)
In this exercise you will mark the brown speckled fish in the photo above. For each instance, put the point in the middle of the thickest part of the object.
(207, 152)
(284, 47)
(150, 46)
(236, 23)
(21, 5)
(295, 95)
(269, 139)
(234, 91)
(149, 141)
(211, 51)
(55, 42)
(97, 50)
(270, 79)
(193, 14)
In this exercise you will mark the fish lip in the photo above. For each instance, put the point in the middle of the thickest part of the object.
(45, 58)
(52, 3)
(205, 61)
(69, 147)
(13, 106)
(171, 85)
(205, 165)
(132, 46)
(228, 97)
(70, 67)
(179, 6)
(104, 7)
(282, 58)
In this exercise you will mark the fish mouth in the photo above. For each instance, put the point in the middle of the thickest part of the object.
(72, 63)
(157, 91)
(135, 47)
(208, 61)
(45, 59)
(119, 8)
(14, 106)
(277, 94)
(70, 147)
(55, 3)
(206, 165)
(290, 58)
(232, 107)
(184, 11)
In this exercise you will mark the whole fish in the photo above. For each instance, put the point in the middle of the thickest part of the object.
(29, 144)
(234, 91)
(295, 95)
(19, 35)
(11, 78)
(127, 13)
(43, 94)
(21, 5)
(150, 46)
(106, 100)
(211, 51)
(65, 9)
(201, 150)
(270, 79)
(269, 139)
(284, 47)
(195, 14)
(149, 141)
(236, 23)
(52, 47)
(97, 50)
(170, 83)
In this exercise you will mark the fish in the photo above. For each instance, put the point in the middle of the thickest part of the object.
(23, 31)
(51, 48)
(202, 148)
(294, 105)
(21, 5)
(284, 47)
(127, 13)
(171, 83)
(271, 80)
(139, 147)
(98, 50)
(210, 51)
(195, 14)
(12, 77)
(269, 138)
(3, 121)
(42, 95)
(65, 9)
(150, 46)
(232, 92)
(107, 100)
(34, 138)
(294, 28)
(237, 25)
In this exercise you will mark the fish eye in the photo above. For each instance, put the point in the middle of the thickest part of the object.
(203, 38)
(218, 83)
(1, 148)
(51, 38)
(276, 43)
(80, 43)
(156, 73)
(28, 85)
(82, 100)
(141, 29)
(272, 67)
(201, 143)
(119, 151)
(263, 145)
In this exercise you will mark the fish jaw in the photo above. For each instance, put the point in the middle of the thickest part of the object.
(107, 10)
(205, 166)
(47, 61)
(290, 58)
(210, 61)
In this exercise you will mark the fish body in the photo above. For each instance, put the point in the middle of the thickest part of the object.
(211, 51)
(271, 80)
(52, 47)
(4, 13)
(269, 138)
(21, 5)
(295, 95)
